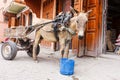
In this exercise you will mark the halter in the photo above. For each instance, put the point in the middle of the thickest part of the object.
(71, 31)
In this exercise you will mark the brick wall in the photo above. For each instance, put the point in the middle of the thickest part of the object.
(3, 25)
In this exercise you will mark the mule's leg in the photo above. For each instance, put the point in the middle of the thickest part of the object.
(66, 53)
(37, 38)
(62, 46)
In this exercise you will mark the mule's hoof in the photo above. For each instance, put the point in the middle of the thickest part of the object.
(36, 61)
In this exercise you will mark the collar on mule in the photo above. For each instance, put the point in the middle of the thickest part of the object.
(71, 31)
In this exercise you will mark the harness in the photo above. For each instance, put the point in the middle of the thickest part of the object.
(63, 20)
(59, 20)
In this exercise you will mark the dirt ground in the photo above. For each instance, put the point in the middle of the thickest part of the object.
(105, 67)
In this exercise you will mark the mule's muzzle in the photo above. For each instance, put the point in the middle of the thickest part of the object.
(80, 37)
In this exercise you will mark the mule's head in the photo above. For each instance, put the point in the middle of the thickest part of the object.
(81, 21)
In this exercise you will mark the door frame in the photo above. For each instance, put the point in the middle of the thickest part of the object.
(104, 26)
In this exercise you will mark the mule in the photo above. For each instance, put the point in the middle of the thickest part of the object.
(76, 26)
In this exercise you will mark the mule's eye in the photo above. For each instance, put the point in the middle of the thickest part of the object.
(77, 21)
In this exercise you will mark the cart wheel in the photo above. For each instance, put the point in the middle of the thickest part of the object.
(9, 50)
(30, 51)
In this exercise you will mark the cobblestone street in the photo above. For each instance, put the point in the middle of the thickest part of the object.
(105, 67)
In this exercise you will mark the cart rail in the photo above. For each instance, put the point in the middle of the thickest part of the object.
(20, 31)
(16, 32)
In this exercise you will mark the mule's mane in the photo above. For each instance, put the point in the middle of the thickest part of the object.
(73, 19)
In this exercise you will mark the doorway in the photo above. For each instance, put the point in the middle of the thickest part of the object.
(113, 24)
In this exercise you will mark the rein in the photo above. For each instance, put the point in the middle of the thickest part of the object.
(31, 28)
(41, 25)
(71, 31)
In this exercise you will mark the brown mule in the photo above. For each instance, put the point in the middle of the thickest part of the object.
(77, 24)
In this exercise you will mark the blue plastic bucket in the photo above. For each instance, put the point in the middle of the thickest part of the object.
(66, 66)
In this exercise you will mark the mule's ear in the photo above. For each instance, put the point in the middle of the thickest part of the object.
(73, 10)
(89, 11)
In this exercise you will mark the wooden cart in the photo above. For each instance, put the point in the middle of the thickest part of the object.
(17, 40)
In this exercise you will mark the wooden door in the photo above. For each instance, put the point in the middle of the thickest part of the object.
(59, 6)
(48, 9)
(93, 28)
(78, 45)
